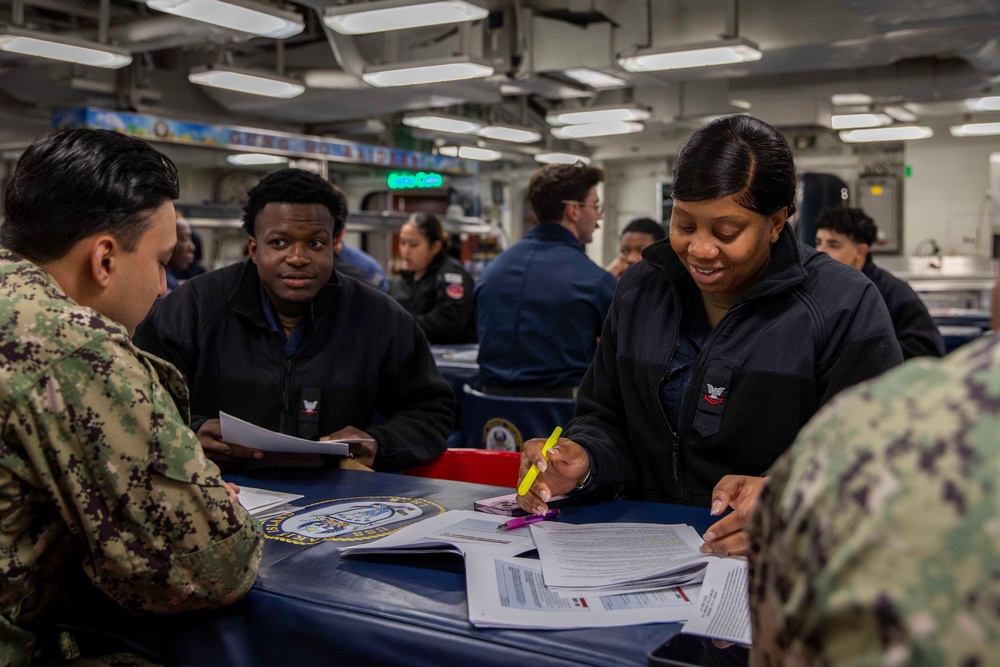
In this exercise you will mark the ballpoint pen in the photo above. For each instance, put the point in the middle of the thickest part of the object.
(525, 520)
(529, 479)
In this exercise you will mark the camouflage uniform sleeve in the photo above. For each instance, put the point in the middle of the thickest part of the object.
(875, 541)
(156, 527)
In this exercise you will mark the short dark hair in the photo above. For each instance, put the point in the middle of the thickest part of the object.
(76, 183)
(295, 186)
(738, 156)
(431, 229)
(555, 184)
(645, 226)
(851, 222)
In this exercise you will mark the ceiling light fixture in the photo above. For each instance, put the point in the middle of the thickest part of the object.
(504, 132)
(436, 70)
(894, 133)
(722, 52)
(561, 158)
(983, 103)
(594, 79)
(597, 129)
(442, 123)
(597, 115)
(246, 81)
(244, 15)
(900, 114)
(850, 99)
(255, 158)
(56, 47)
(975, 129)
(470, 153)
(384, 15)
(853, 120)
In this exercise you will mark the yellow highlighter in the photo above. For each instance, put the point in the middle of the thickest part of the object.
(529, 479)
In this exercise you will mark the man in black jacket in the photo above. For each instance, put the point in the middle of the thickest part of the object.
(285, 342)
(847, 235)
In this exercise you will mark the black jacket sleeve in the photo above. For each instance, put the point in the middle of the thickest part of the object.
(916, 331)
(601, 423)
(417, 403)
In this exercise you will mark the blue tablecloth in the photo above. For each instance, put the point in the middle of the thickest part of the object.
(309, 606)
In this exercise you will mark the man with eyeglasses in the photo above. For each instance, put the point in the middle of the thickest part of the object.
(541, 304)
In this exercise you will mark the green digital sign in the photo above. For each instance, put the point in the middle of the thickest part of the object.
(403, 180)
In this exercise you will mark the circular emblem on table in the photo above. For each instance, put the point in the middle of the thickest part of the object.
(348, 519)
(501, 434)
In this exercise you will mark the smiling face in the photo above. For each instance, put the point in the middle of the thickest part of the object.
(293, 251)
(724, 246)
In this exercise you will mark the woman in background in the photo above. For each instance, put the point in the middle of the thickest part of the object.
(433, 286)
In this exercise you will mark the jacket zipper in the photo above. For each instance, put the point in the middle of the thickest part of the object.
(286, 387)
(675, 453)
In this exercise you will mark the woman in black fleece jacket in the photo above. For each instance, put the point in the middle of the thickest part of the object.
(722, 343)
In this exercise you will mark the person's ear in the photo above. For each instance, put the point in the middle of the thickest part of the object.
(252, 249)
(436, 248)
(571, 211)
(863, 250)
(103, 259)
(777, 221)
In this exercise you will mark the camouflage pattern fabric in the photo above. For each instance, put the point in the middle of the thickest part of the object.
(99, 472)
(877, 541)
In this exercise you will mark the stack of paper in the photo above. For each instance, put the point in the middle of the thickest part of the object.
(456, 531)
(613, 558)
(510, 593)
(591, 575)
(262, 504)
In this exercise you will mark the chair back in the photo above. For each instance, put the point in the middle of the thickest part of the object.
(480, 466)
(505, 422)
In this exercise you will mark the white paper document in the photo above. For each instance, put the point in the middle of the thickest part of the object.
(455, 531)
(510, 593)
(240, 432)
(259, 501)
(723, 609)
(618, 557)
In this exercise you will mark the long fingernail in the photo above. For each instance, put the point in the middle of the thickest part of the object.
(709, 536)
(539, 510)
(716, 507)
(542, 466)
(705, 549)
(544, 495)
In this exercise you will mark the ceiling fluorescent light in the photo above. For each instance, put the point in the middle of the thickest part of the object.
(894, 133)
(597, 129)
(561, 158)
(853, 120)
(975, 129)
(384, 15)
(57, 47)
(900, 114)
(723, 52)
(983, 103)
(850, 99)
(594, 79)
(436, 70)
(521, 135)
(470, 153)
(255, 158)
(244, 15)
(597, 115)
(246, 81)
(442, 123)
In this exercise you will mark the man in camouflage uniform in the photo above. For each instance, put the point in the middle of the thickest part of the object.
(877, 540)
(100, 475)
